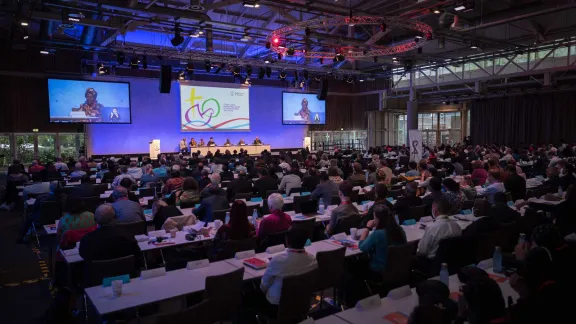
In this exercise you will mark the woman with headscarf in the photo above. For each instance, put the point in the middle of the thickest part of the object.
(304, 113)
(91, 106)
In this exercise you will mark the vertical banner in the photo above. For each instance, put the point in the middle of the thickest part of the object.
(415, 138)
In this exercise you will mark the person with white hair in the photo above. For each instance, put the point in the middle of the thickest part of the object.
(213, 187)
(78, 173)
(134, 171)
(124, 174)
(277, 221)
(106, 242)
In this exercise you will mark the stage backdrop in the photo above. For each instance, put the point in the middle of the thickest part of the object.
(157, 116)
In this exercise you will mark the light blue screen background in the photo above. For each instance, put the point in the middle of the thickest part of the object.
(67, 94)
(292, 103)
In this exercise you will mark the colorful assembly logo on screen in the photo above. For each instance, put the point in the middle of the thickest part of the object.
(208, 113)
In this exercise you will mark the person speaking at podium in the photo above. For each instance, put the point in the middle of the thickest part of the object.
(227, 142)
(91, 107)
(241, 143)
(211, 142)
(257, 141)
(192, 142)
(201, 143)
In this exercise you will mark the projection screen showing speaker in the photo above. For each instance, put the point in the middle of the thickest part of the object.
(214, 109)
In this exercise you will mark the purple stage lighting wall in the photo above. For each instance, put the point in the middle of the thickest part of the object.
(157, 116)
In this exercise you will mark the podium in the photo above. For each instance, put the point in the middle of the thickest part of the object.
(154, 149)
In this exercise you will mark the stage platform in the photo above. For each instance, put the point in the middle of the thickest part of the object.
(252, 149)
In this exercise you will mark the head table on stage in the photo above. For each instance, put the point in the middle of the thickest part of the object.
(251, 149)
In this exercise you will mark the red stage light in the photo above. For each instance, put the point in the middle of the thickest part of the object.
(276, 40)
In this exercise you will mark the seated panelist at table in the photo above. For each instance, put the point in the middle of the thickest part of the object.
(227, 142)
(183, 145)
(201, 143)
(257, 141)
(193, 142)
(211, 142)
(241, 142)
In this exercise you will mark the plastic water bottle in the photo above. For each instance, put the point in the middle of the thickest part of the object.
(560, 191)
(522, 238)
(227, 219)
(255, 218)
(367, 175)
(497, 260)
(444, 275)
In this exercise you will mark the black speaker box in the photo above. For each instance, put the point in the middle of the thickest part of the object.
(165, 79)
(323, 90)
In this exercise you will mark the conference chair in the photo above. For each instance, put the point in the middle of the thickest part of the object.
(131, 229)
(397, 271)
(297, 203)
(50, 211)
(456, 252)
(240, 195)
(344, 225)
(220, 214)
(394, 193)
(233, 246)
(91, 203)
(272, 240)
(269, 192)
(354, 196)
(147, 192)
(197, 314)
(414, 212)
(330, 272)
(294, 190)
(467, 204)
(224, 295)
(308, 225)
(294, 299)
(100, 189)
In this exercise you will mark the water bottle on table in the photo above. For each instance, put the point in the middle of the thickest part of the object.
(227, 219)
(497, 260)
(254, 217)
(522, 238)
(444, 275)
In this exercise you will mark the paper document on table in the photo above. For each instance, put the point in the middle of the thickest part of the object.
(198, 226)
(70, 252)
(141, 238)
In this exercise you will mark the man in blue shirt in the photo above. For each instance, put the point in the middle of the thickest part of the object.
(495, 186)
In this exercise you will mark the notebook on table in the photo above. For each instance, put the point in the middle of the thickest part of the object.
(255, 263)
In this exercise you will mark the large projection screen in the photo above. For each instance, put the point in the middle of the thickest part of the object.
(204, 108)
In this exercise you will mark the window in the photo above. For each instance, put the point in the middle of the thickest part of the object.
(46, 147)
(450, 128)
(402, 132)
(5, 153)
(25, 148)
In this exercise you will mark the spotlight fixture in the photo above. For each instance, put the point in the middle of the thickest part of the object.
(236, 71)
(267, 61)
(361, 79)
(178, 39)
(251, 3)
(190, 67)
(305, 74)
(120, 58)
(268, 71)
(219, 68)
(24, 23)
(247, 82)
(276, 40)
(25, 37)
(200, 32)
(268, 45)
(279, 56)
(282, 75)
(44, 52)
(194, 33)
(351, 79)
(307, 31)
(261, 73)
(134, 61)
(339, 57)
(473, 46)
(290, 51)
(302, 84)
(181, 75)
(207, 66)
(101, 69)
(436, 10)
(248, 70)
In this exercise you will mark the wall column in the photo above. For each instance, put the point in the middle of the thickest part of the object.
(411, 109)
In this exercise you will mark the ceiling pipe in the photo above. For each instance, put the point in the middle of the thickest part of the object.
(516, 18)
(89, 33)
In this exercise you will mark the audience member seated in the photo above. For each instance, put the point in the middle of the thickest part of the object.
(358, 178)
(106, 243)
(33, 214)
(380, 192)
(189, 194)
(127, 184)
(37, 188)
(75, 215)
(413, 172)
(346, 210)
(240, 185)
(237, 229)
(334, 176)
(479, 175)
(175, 181)
(91, 164)
(553, 177)
(387, 171)
(501, 212)
(277, 221)
(148, 179)
(482, 302)
(386, 233)
(515, 184)
(36, 167)
(103, 170)
(372, 178)
(442, 227)
(290, 180)
(325, 190)
(226, 174)
(484, 224)
(204, 179)
(135, 171)
(456, 168)
(213, 187)
(265, 183)
(454, 195)
(215, 200)
(294, 261)
(161, 171)
(494, 185)
(127, 211)
(60, 166)
(435, 192)
(78, 173)
(124, 174)
(311, 180)
(408, 200)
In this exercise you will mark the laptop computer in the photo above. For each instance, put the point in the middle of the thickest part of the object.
(309, 207)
